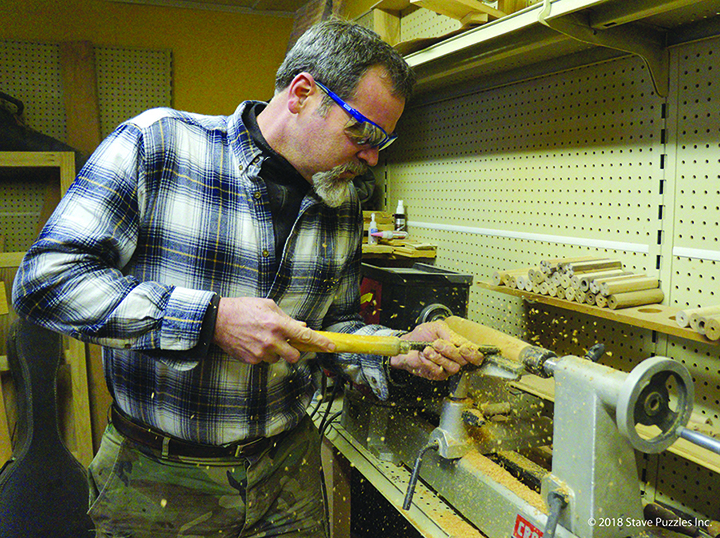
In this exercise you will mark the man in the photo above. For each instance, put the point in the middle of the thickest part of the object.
(197, 250)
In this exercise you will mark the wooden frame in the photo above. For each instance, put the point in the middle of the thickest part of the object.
(79, 429)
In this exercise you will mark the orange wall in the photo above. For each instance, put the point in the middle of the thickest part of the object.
(219, 58)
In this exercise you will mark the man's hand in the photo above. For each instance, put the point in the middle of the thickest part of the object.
(255, 330)
(449, 352)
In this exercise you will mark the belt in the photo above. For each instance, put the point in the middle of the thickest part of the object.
(170, 446)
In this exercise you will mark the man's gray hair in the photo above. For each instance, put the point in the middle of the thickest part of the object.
(338, 53)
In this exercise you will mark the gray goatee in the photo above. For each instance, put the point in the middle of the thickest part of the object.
(333, 189)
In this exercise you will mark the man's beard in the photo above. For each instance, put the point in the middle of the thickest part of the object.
(333, 189)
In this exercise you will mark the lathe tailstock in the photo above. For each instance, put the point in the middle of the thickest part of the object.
(481, 447)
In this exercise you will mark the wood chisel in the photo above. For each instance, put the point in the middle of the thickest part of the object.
(388, 346)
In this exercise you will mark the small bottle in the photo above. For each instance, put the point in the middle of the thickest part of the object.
(400, 218)
(372, 240)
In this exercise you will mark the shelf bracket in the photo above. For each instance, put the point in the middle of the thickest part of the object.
(644, 42)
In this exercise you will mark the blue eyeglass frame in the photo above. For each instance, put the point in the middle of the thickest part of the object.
(357, 115)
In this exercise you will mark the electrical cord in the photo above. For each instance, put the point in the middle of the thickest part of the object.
(324, 427)
(323, 393)
(336, 389)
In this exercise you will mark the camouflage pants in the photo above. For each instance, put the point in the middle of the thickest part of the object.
(136, 493)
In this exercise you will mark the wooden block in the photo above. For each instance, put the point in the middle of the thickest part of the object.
(387, 25)
(477, 6)
(408, 252)
(455, 10)
(511, 6)
(381, 227)
(380, 216)
(377, 249)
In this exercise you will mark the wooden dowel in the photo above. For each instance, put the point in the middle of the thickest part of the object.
(552, 289)
(585, 279)
(712, 326)
(635, 298)
(591, 266)
(683, 317)
(510, 274)
(536, 275)
(697, 323)
(553, 264)
(522, 281)
(582, 280)
(632, 284)
(510, 347)
(595, 284)
(700, 324)
(570, 294)
(543, 288)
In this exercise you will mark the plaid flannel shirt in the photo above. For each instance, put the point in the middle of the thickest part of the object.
(166, 213)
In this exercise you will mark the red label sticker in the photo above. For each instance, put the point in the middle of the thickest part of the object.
(525, 529)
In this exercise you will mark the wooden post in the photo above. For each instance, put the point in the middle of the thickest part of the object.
(77, 62)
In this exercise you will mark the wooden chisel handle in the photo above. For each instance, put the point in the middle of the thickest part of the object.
(388, 346)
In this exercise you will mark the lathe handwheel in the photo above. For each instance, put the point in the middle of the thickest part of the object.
(645, 399)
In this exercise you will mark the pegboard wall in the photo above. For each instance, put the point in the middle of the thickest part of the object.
(570, 164)
(30, 72)
(585, 162)
(129, 81)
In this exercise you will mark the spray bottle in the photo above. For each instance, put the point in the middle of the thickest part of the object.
(400, 218)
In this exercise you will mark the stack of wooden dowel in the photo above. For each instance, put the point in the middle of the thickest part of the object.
(704, 320)
(595, 281)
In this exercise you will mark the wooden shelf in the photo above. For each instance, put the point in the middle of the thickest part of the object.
(545, 389)
(63, 160)
(655, 317)
(533, 42)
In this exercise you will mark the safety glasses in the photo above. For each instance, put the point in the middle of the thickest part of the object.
(362, 131)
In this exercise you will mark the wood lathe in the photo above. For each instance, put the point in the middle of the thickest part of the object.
(509, 459)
